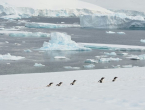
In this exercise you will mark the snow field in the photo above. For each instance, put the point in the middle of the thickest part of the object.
(29, 91)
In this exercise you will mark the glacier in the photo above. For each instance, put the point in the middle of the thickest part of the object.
(112, 21)
(57, 8)
(49, 25)
(62, 41)
(10, 57)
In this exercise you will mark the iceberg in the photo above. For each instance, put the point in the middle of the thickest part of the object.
(28, 51)
(112, 21)
(112, 53)
(38, 65)
(10, 57)
(49, 25)
(62, 41)
(91, 61)
(29, 34)
(89, 66)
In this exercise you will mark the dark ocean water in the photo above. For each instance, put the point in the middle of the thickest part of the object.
(76, 58)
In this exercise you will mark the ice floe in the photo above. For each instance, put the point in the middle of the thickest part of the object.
(10, 57)
(89, 66)
(70, 67)
(142, 40)
(62, 41)
(90, 61)
(124, 54)
(49, 25)
(38, 65)
(120, 32)
(60, 57)
(136, 57)
(110, 32)
(127, 66)
(28, 50)
(104, 60)
(112, 53)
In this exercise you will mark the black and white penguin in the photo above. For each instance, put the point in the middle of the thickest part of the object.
(59, 84)
(49, 84)
(101, 80)
(114, 79)
(73, 82)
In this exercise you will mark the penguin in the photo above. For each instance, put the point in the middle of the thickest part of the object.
(49, 84)
(101, 80)
(59, 84)
(73, 82)
(114, 79)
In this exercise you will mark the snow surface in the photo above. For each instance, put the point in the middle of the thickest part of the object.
(62, 41)
(55, 8)
(29, 91)
(49, 25)
(111, 21)
(10, 57)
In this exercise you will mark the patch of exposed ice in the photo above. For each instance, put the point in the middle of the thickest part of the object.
(89, 66)
(10, 57)
(62, 41)
(49, 25)
(90, 61)
(38, 65)
(112, 53)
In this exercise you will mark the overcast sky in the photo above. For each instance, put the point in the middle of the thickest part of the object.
(138, 5)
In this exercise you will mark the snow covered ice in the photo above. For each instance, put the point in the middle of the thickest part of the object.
(10, 57)
(112, 21)
(49, 25)
(62, 41)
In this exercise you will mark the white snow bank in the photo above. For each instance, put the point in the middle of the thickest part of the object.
(111, 21)
(49, 25)
(10, 57)
(113, 47)
(62, 41)
(38, 65)
(126, 93)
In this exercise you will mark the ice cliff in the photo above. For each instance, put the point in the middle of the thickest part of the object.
(62, 41)
(111, 21)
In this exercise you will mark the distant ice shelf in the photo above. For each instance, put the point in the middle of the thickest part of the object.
(112, 21)
(49, 25)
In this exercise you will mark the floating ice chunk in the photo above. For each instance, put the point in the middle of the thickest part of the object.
(91, 61)
(2, 28)
(62, 41)
(60, 57)
(89, 66)
(17, 44)
(124, 54)
(118, 66)
(28, 50)
(137, 57)
(6, 42)
(49, 25)
(110, 32)
(38, 65)
(103, 60)
(127, 66)
(29, 34)
(120, 32)
(62, 22)
(10, 57)
(70, 67)
(142, 40)
(112, 53)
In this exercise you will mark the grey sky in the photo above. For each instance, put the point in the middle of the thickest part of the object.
(138, 5)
